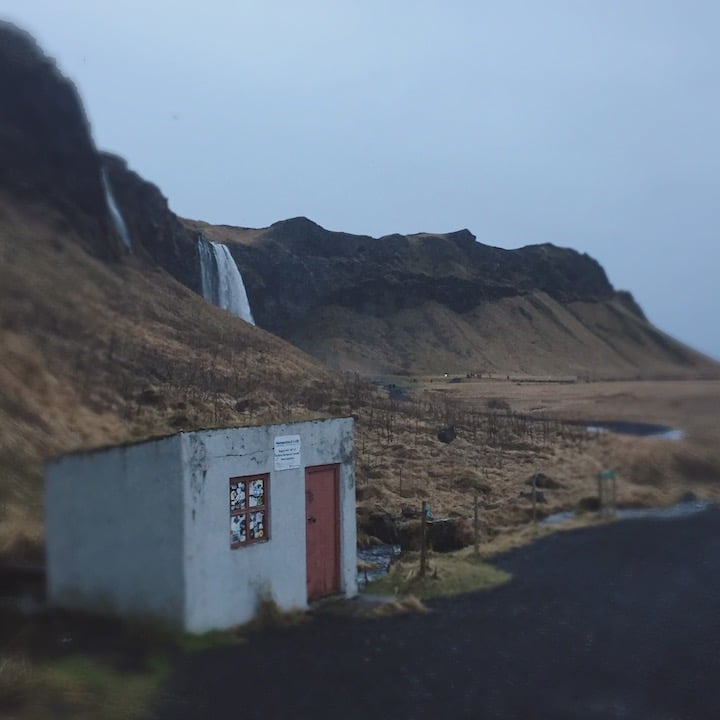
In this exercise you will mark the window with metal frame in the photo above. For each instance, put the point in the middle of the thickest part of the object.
(249, 510)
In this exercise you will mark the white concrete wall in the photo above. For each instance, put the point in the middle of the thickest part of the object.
(145, 529)
(114, 530)
(223, 584)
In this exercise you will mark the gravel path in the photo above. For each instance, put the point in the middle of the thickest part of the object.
(620, 621)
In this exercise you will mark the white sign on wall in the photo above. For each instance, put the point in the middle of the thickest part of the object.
(287, 452)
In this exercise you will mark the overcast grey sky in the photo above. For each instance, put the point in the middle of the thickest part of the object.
(591, 124)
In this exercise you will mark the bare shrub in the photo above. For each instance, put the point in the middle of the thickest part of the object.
(16, 681)
(408, 603)
(697, 467)
(269, 615)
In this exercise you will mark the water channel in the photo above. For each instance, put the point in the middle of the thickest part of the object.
(637, 429)
(380, 557)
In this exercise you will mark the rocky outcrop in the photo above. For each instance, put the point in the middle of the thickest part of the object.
(296, 266)
(47, 156)
(156, 232)
(444, 535)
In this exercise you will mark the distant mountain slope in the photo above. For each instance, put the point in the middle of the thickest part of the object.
(446, 303)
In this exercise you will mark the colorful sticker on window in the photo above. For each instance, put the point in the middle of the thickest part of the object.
(257, 525)
(248, 510)
(257, 492)
(237, 495)
(238, 528)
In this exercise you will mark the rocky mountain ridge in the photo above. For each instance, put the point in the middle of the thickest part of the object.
(429, 303)
(396, 272)
(396, 304)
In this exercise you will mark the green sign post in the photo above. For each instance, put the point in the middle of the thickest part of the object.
(607, 491)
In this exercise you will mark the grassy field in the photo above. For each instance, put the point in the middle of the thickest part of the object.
(509, 430)
(75, 665)
(449, 574)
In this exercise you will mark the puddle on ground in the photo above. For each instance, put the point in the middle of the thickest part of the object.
(637, 429)
(682, 509)
(380, 557)
(559, 517)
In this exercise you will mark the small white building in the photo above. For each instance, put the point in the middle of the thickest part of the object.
(197, 527)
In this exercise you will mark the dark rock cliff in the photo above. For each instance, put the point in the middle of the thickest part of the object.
(296, 266)
(47, 154)
(47, 157)
(157, 234)
(428, 303)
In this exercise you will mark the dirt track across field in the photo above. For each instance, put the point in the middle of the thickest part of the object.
(616, 621)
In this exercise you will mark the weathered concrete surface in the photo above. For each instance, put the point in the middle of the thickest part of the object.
(222, 586)
(146, 528)
(113, 530)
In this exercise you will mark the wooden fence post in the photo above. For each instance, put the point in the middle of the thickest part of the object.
(423, 538)
(476, 527)
(534, 500)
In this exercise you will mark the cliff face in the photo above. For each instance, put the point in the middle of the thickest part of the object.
(436, 303)
(46, 152)
(48, 158)
(296, 267)
(157, 234)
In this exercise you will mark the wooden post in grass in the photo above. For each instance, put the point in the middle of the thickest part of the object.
(476, 528)
(423, 538)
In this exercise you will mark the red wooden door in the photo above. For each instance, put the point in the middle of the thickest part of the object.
(323, 531)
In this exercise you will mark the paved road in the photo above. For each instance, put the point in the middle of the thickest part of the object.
(621, 621)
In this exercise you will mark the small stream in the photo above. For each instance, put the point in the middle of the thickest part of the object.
(680, 510)
(637, 429)
(380, 556)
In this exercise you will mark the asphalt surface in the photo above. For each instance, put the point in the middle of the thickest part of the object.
(619, 621)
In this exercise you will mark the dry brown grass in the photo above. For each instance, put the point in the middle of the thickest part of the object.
(405, 604)
(17, 681)
(446, 574)
(409, 465)
(595, 340)
(270, 616)
(21, 535)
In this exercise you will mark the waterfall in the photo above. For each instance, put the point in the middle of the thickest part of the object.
(115, 214)
(222, 283)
